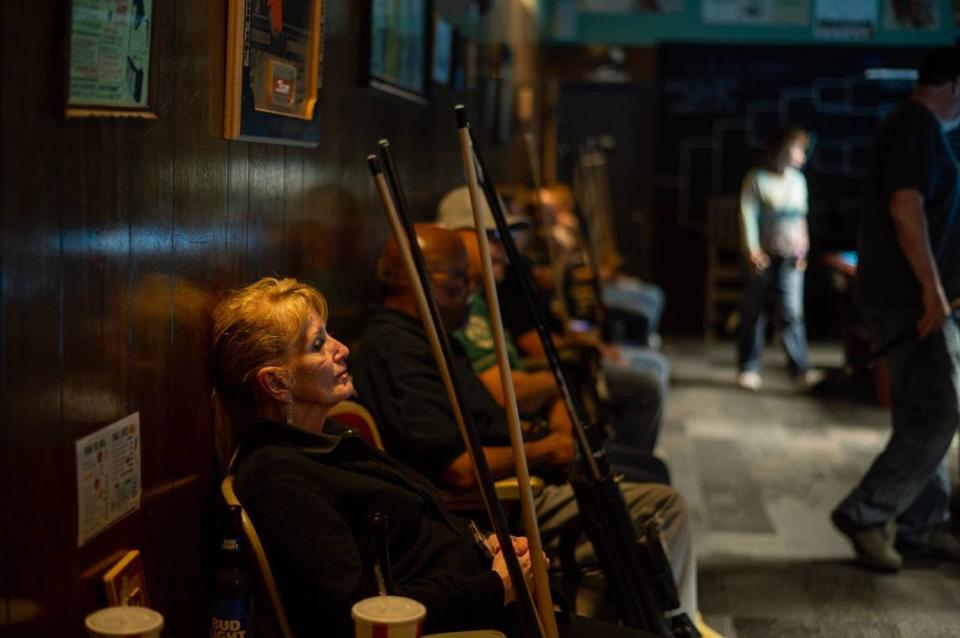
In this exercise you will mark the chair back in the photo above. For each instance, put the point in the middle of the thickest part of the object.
(260, 557)
(357, 417)
(723, 283)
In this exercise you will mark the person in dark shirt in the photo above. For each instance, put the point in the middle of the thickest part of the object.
(397, 380)
(309, 484)
(909, 266)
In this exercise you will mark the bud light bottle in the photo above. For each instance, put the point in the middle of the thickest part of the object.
(232, 614)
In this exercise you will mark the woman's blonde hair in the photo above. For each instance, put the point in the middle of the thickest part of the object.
(254, 327)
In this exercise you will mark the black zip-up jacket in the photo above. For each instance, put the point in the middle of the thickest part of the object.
(309, 497)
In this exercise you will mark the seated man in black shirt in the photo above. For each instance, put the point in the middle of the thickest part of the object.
(397, 379)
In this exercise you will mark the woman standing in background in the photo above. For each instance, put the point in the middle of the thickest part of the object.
(773, 228)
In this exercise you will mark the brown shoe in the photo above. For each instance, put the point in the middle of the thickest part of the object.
(941, 544)
(874, 545)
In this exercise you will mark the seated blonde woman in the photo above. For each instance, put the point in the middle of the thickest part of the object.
(309, 484)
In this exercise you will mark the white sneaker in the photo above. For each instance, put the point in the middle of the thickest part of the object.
(749, 380)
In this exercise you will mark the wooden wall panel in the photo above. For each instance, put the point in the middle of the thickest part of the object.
(118, 235)
(33, 206)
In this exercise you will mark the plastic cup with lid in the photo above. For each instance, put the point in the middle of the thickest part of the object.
(388, 617)
(124, 622)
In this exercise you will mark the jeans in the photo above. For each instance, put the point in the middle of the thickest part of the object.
(908, 480)
(784, 279)
(638, 389)
(627, 297)
(556, 506)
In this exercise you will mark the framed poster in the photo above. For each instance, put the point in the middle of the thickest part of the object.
(274, 71)
(398, 47)
(109, 59)
(443, 51)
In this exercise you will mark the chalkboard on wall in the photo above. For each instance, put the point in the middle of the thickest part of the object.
(717, 104)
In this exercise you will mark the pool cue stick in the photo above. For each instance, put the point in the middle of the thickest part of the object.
(440, 345)
(529, 514)
(575, 409)
(591, 252)
(546, 233)
(866, 361)
(603, 510)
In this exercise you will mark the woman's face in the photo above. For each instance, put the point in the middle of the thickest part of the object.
(796, 156)
(318, 368)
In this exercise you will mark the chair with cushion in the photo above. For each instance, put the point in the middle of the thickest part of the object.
(358, 418)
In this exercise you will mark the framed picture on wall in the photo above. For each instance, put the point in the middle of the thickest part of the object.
(397, 47)
(274, 71)
(109, 68)
(443, 51)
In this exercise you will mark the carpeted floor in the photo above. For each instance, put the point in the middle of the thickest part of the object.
(761, 473)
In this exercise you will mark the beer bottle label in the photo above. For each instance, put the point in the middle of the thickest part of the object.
(231, 618)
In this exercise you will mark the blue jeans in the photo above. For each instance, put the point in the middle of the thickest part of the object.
(783, 279)
(638, 390)
(908, 480)
(631, 295)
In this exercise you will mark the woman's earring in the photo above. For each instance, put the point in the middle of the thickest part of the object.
(289, 412)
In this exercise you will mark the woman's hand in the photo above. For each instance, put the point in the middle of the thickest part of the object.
(520, 544)
(522, 549)
(758, 261)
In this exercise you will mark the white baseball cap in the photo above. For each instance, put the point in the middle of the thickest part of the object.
(456, 213)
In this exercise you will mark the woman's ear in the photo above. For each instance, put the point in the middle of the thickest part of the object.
(272, 381)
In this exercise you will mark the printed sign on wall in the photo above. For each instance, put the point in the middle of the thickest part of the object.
(108, 476)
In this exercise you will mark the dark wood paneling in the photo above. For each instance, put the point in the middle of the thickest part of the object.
(38, 535)
(118, 235)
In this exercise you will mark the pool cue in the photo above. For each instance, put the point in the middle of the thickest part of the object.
(866, 361)
(546, 233)
(529, 514)
(440, 345)
(603, 511)
(591, 251)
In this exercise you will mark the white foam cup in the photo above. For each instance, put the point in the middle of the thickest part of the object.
(388, 617)
(124, 622)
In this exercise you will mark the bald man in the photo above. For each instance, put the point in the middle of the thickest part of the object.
(397, 379)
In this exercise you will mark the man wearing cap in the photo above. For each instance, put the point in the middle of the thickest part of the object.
(909, 266)
(538, 397)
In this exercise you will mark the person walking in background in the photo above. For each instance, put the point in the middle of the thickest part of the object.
(773, 225)
(909, 266)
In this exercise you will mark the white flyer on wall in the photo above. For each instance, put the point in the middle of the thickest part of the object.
(108, 476)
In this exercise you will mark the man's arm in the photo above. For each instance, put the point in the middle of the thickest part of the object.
(906, 209)
(533, 389)
(556, 449)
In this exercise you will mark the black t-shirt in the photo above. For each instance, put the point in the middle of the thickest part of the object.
(396, 378)
(910, 152)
